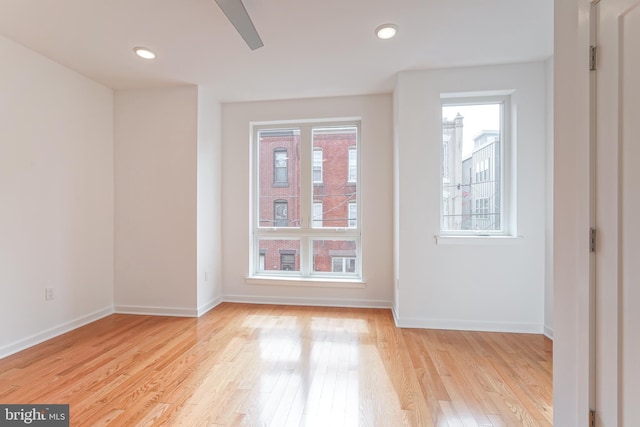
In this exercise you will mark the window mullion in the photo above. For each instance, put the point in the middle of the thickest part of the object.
(306, 190)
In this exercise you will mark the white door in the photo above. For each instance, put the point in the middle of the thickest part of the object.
(618, 214)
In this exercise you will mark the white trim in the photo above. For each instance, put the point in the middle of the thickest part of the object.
(156, 311)
(396, 318)
(40, 337)
(316, 302)
(548, 332)
(204, 308)
(470, 325)
(323, 282)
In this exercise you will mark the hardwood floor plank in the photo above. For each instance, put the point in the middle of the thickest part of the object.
(255, 365)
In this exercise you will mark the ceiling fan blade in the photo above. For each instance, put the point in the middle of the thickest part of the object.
(237, 14)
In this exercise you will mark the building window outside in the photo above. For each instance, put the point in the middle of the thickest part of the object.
(353, 165)
(445, 157)
(343, 264)
(317, 166)
(280, 167)
(317, 214)
(353, 214)
(287, 261)
(281, 213)
(482, 208)
(474, 171)
(316, 222)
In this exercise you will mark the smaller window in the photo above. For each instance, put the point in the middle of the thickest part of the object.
(353, 164)
(317, 166)
(281, 213)
(280, 167)
(353, 215)
(475, 174)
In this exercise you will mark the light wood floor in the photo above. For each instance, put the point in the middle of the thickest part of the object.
(261, 365)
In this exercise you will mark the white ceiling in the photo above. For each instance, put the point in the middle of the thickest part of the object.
(311, 48)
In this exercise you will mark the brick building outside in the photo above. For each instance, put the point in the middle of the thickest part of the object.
(333, 171)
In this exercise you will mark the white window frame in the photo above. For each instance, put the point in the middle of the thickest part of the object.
(507, 218)
(305, 233)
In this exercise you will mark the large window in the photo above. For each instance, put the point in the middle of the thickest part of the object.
(474, 171)
(305, 198)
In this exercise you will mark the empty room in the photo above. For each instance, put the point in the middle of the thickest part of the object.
(240, 212)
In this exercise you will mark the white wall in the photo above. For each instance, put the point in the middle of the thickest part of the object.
(156, 143)
(377, 214)
(548, 270)
(56, 182)
(571, 295)
(439, 285)
(209, 234)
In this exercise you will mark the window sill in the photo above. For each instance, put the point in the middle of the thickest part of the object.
(322, 282)
(478, 240)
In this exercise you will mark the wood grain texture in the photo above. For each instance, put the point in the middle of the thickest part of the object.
(256, 365)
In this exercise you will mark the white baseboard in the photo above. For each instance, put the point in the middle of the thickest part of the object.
(38, 338)
(322, 302)
(469, 325)
(548, 332)
(156, 311)
(208, 306)
(396, 319)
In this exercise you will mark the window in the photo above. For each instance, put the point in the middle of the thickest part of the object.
(317, 214)
(353, 164)
(281, 213)
(353, 214)
(317, 166)
(280, 167)
(287, 260)
(482, 208)
(474, 171)
(343, 264)
(262, 260)
(299, 229)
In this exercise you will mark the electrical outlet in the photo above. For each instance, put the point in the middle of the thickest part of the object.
(49, 294)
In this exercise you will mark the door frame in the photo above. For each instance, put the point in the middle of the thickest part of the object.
(573, 300)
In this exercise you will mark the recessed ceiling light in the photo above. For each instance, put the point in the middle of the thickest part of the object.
(386, 31)
(143, 52)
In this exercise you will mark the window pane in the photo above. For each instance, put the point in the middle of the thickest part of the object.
(337, 148)
(279, 178)
(334, 256)
(279, 255)
(471, 167)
